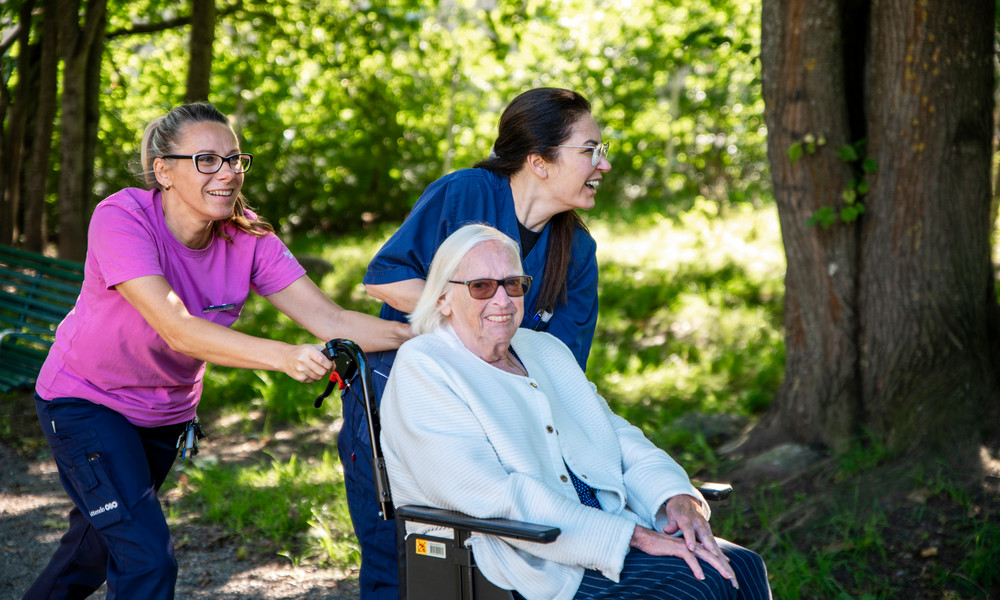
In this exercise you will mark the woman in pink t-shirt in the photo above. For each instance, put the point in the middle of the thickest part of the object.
(168, 270)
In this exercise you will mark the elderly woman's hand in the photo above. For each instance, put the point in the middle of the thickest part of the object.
(660, 544)
(687, 515)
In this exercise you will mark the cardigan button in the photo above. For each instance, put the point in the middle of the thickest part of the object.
(564, 478)
(549, 428)
(534, 385)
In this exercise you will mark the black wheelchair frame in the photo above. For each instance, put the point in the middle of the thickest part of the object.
(437, 568)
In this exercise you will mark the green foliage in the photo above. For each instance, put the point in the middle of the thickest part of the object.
(280, 501)
(825, 216)
(809, 144)
(689, 320)
(862, 457)
(352, 109)
(855, 190)
(794, 152)
(843, 539)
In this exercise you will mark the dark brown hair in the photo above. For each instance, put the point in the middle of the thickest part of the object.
(160, 138)
(534, 123)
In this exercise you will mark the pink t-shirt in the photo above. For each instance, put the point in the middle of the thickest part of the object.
(107, 353)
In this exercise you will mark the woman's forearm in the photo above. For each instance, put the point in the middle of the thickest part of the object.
(311, 308)
(401, 295)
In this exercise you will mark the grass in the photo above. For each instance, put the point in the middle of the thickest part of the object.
(297, 506)
(690, 324)
(690, 318)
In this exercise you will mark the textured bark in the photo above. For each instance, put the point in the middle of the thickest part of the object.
(891, 321)
(38, 166)
(805, 94)
(76, 47)
(15, 140)
(927, 271)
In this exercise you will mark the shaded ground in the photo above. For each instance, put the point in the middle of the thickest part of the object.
(920, 551)
(33, 508)
(927, 533)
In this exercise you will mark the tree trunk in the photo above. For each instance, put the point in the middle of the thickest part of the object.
(203, 16)
(76, 44)
(38, 165)
(805, 89)
(92, 117)
(927, 272)
(15, 141)
(890, 320)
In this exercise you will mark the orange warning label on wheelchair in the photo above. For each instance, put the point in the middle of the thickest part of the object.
(429, 548)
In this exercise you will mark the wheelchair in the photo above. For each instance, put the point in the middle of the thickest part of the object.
(437, 568)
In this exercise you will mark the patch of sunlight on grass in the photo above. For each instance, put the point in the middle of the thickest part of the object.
(297, 504)
(690, 314)
(746, 236)
(349, 256)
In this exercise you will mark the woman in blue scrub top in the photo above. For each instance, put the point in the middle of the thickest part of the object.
(547, 162)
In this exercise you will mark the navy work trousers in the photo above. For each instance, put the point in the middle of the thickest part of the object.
(111, 470)
(380, 567)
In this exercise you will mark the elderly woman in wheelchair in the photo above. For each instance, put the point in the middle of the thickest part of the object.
(496, 421)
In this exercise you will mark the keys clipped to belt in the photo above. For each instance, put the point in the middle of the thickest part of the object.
(187, 441)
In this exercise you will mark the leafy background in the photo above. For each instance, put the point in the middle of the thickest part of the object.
(352, 108)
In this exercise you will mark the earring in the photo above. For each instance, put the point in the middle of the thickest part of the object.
(167, 187)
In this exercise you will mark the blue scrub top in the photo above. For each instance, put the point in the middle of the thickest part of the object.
(481, 196)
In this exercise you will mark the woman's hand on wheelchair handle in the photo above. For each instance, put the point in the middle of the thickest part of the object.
(305, 363)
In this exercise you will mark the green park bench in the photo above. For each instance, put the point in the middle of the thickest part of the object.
(36, 292)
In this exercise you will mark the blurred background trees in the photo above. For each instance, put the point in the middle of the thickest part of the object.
(351, 108)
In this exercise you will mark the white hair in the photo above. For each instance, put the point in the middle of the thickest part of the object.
(427, 317)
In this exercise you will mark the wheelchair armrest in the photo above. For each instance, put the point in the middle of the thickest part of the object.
(714, 491)
(500, 527)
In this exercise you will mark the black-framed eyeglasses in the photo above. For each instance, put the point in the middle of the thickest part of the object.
(598, 152)
(210, 164)
(484, 289)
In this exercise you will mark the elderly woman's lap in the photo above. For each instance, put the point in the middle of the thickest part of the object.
(670, 578)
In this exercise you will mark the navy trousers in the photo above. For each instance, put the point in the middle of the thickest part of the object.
(380, 565)
(111, 470)
(648, 577)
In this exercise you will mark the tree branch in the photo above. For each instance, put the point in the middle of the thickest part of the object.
(139, 28)
(10, 38)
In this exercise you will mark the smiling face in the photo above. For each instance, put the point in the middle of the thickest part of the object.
(573, 179)
(484, 326)
(195, 200)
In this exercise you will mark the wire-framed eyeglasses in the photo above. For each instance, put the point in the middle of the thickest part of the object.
(599, 151)
(484, 289)
(209, 163)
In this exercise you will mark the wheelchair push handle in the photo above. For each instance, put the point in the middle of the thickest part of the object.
(345, 355)
(349, 360)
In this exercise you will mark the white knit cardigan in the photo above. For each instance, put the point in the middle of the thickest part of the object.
(460, 434)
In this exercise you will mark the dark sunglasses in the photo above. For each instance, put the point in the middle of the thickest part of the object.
(484, 289)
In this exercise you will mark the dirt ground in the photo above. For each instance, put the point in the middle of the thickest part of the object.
(927, 537)
(33, 508)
